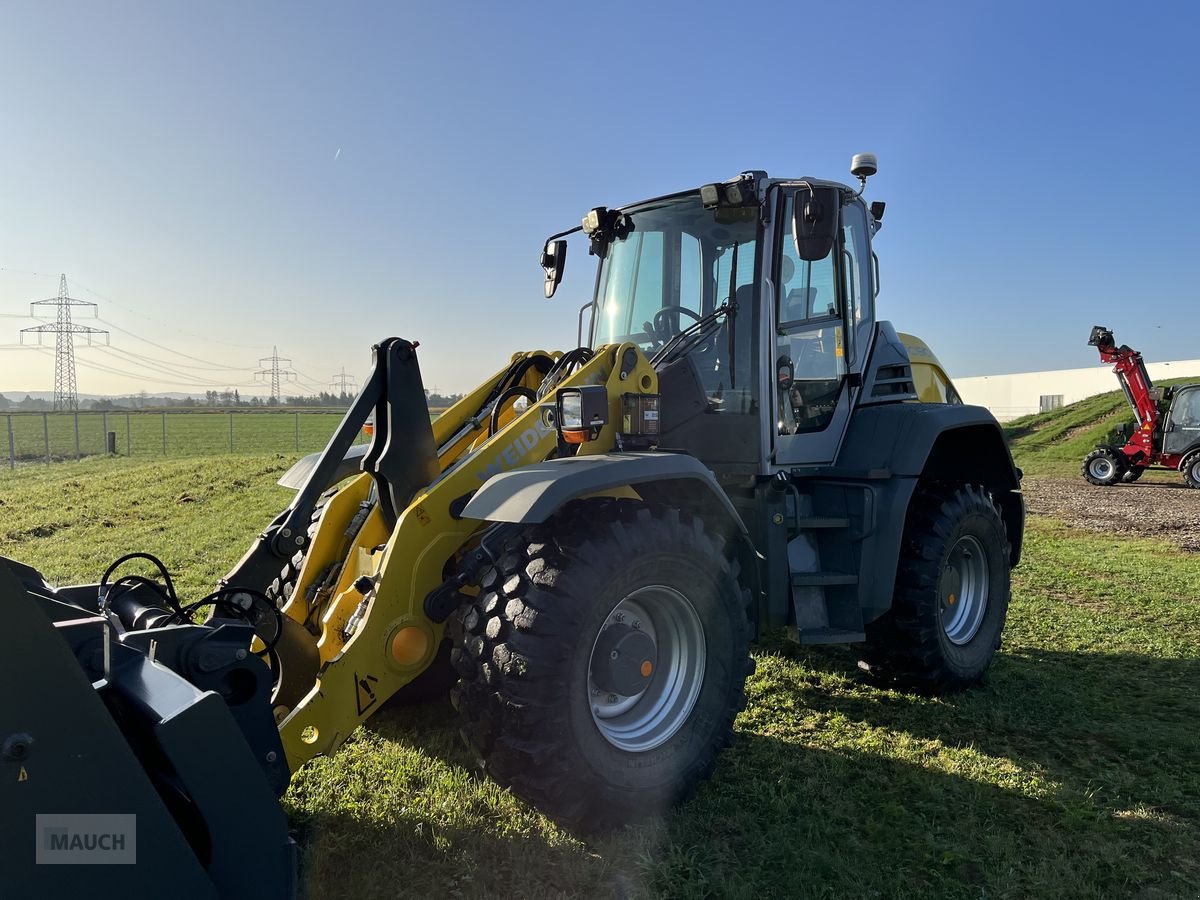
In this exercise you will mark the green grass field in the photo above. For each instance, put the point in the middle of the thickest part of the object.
(175, 433)
(1071, 772)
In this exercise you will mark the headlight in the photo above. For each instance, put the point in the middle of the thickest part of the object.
(571, 410)
(581, 412)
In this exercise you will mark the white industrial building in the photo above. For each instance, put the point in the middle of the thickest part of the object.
(1010, 396)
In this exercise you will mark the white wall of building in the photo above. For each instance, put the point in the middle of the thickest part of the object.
(1010, 396)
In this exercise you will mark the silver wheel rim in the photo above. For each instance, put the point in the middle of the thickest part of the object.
(644, 720)
(1196, 471)
(964, 590)
(1102, 468)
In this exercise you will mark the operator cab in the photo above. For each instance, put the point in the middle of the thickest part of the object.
(753, 343)
(1183, 422)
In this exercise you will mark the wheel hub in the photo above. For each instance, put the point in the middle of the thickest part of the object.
(646, 668)
(963, 590)
(624, 660)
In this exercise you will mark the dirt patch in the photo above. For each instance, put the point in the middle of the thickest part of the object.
(1158, 506)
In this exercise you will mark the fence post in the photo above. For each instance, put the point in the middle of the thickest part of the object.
(104, 430)
(128, 441)
(231, 431)
(46, 435)
(164, 418)
(76, 435)
(12, 447)
(297, 432)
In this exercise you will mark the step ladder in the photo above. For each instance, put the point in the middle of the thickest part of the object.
(824, 601)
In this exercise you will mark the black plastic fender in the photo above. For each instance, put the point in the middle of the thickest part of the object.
(902, 443)
(297, 476)
(532, 493)
(904, 438)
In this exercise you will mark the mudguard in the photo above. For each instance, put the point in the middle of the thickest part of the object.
(297, 476)
(902, 442)
(534, 492)
(902, 437)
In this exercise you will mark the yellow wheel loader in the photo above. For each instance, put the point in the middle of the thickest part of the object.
(583, 549)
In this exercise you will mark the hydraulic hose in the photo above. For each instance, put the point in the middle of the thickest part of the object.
(511, 394)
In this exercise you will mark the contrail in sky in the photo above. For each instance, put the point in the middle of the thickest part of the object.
(338, 153)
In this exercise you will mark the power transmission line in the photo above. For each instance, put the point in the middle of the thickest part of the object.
(66, 395)
(164, 347)
(156, 365)
(172, 325)
(344, 384)
(280, 369)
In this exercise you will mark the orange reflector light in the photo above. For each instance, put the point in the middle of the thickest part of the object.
(409, 645)
(951, 599)
(575, 436)
(647, 668)
(369, 428)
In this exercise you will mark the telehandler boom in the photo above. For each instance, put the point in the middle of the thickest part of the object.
(586, 545)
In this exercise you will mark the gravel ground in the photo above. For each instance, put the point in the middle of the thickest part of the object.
(1159, 505)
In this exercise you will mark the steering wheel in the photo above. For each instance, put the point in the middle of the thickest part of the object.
(660, 329)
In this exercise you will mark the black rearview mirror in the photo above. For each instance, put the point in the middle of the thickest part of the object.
(815, 213)
(554, 259)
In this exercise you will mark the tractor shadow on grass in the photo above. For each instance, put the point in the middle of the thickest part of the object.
(403, 811)
(1064, 774)
(1124, 728)
(782, 817)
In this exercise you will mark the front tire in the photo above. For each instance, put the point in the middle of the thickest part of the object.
(1104, 467)
(604, 661)
(952, 591)
(1191, 469)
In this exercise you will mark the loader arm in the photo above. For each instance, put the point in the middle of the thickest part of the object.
(1130, 369)
(372, 633)
(398, 464)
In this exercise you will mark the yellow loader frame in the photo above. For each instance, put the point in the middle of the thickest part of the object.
(386, 574)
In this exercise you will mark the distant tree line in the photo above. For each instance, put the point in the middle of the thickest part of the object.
(211, 399)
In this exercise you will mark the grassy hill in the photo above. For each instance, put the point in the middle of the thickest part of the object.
(1055, 442)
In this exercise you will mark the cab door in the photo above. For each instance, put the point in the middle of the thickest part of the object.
(823, 319)
(1183, 422)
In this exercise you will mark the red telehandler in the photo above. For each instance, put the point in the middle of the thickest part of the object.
(1166, 433)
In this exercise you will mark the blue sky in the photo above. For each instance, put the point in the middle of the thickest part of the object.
(180, 162)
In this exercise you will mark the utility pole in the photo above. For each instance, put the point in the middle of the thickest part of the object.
(344, 384)
(65, 394)
(277, 369)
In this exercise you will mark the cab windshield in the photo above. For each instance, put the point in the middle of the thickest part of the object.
(673, 268)
(678, 264)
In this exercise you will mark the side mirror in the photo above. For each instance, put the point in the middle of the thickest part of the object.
(815, 214)
(554, 259)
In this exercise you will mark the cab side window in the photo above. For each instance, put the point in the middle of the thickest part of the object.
(810, 347)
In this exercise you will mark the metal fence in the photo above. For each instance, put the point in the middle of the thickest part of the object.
(55, 436)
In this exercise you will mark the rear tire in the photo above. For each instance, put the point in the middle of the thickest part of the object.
(1191, 469)
(604, 661)
(1104, 467)
(952, 591)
